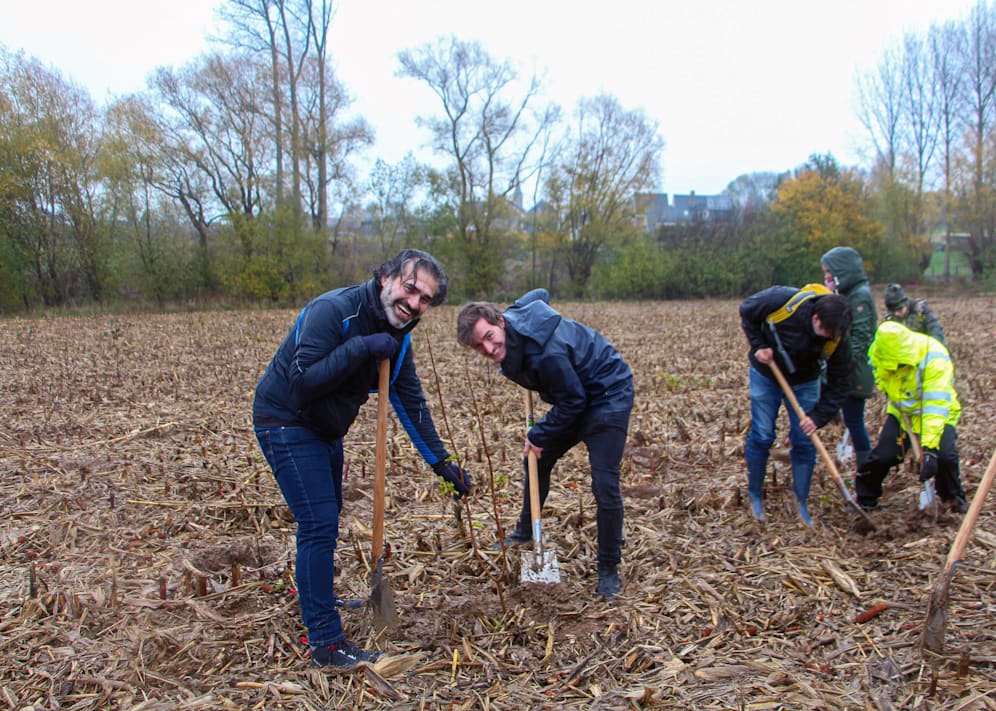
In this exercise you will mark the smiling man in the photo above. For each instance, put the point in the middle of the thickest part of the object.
(590, 388)
(308, 398)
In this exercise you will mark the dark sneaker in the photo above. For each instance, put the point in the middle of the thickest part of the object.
(609, 583)
(958, 504)
(515, 538)
(342, 655)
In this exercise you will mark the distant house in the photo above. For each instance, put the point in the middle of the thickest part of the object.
(654, 210)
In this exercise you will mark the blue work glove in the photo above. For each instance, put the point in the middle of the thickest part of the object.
(928, 468)
(459, 478)
(381, 345)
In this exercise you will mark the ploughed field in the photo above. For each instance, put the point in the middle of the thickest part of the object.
(146, 555)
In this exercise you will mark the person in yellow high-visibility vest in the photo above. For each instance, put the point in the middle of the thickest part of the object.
(916, 374)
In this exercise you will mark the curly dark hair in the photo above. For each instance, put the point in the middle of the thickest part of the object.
(408, 262)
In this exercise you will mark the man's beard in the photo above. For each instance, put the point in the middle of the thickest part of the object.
(390, 311)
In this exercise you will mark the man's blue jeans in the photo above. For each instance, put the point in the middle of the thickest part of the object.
(766, 397)
(309, 472)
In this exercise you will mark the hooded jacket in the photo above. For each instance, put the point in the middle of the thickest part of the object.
(801, 343)
(848, 270)
(323, 373)
(920, 318)
(916, 374)
(572, 366)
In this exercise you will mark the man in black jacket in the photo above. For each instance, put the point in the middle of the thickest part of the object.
(589, 385)
(799, 346)
(308, 398)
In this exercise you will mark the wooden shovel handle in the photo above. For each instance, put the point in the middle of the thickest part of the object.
(533, 465)
(914, 440)
(380, 460)
(968, 523)
(790, 396)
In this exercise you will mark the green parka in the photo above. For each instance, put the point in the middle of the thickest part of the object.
(849, 272)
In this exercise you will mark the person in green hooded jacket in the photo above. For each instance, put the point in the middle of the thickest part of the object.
(844, 272)
(915, 372)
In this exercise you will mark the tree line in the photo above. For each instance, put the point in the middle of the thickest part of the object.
(234, 178)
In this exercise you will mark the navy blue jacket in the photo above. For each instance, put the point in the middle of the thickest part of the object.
(323, 372)
(571, 366)
(804, 347)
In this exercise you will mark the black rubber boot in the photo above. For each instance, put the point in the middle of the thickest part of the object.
(609, 582)
(516, 538)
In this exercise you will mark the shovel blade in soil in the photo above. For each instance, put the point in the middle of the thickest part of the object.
(540, 567)
(934, 628)
(385, 614)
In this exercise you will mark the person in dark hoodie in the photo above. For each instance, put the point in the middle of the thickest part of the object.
(799, 345)
(844, 272)
(309, 396)
(590, 388)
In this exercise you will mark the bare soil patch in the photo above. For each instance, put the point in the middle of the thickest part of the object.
(146, 555)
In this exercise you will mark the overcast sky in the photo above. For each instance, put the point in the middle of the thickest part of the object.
(736, 86)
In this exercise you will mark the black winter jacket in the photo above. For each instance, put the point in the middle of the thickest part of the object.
(323, 372)
(804, 347)
(572, 366)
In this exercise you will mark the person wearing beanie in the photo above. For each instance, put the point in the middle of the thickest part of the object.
(915, 314)
(844, 272)
(915, 373)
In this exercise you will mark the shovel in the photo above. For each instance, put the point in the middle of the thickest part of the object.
(538, 565)
(381, 597)
(928, 498)
(932, 637)
(827, 459)
(845, 450)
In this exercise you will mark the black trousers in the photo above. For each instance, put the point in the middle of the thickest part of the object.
(892, 446)
(604, 433)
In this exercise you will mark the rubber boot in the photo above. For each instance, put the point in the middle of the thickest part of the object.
(860, 456)
(804, 513)
(609, 582)
(802, 477)
(755, 487)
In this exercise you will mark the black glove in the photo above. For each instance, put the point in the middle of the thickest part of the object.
(928, 468)
(381, 345)
(459, 478)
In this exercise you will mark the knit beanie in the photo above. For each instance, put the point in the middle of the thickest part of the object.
(895, 297)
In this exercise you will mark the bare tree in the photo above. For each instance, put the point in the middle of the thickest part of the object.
(613, 154)
(880, 110)
(489, 128)
(919, 104)
(282, 29)
(945, 43)
(50, 138)
(980, 93)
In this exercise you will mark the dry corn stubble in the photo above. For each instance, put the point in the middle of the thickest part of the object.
(146, 554)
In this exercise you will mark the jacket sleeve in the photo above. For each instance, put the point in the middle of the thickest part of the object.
(408, 400)
(935, 407)
(931, 326)
(837, 385)
(323, 358)
(562, 387)
(753, 311)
